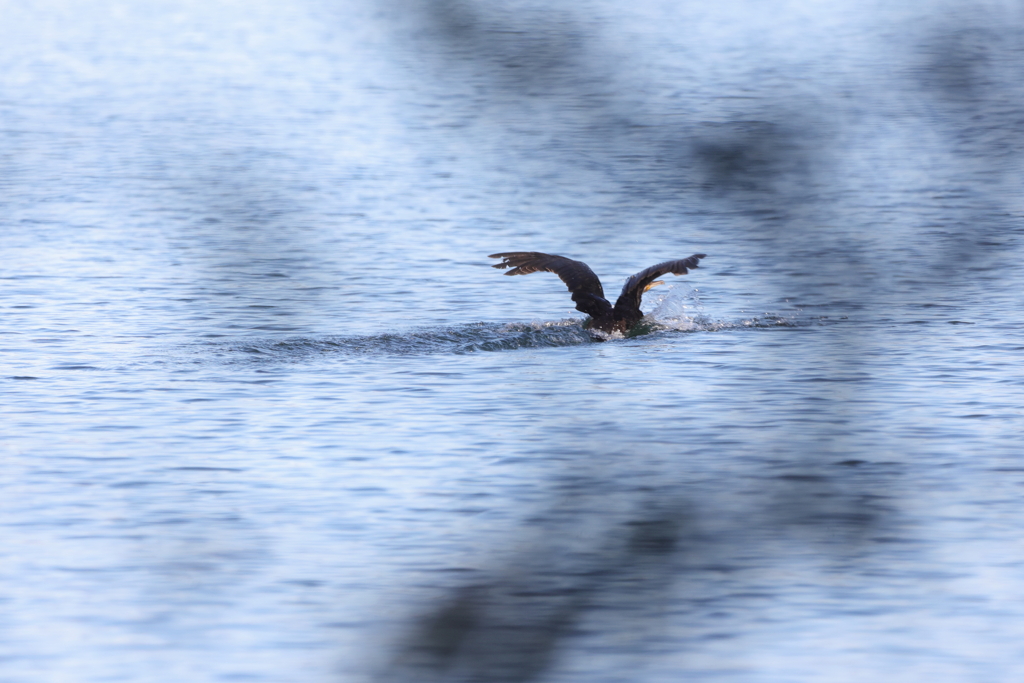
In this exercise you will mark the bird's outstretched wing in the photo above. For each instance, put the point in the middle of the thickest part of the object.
(636, 285)
(577, 276)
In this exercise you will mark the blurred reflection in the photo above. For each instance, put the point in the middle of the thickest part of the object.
(970, 65)
(510, 624)
(553, 65)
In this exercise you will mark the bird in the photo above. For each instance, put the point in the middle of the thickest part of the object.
(586, 286)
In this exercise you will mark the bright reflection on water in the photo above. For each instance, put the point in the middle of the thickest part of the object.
(268, 415)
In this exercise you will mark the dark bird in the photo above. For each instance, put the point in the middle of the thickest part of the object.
(586, 287)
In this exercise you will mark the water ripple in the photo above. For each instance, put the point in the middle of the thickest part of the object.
(476, 337)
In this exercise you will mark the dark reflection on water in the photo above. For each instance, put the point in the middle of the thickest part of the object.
(550, 75)
(587, 568)
(508, 625)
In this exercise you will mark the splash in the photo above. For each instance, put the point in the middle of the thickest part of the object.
(679, 309)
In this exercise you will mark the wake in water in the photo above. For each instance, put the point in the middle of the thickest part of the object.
(473, 338)
(677, 310)
(457, 339)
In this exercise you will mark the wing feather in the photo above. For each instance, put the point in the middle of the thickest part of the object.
(578, 277)
(636, 285)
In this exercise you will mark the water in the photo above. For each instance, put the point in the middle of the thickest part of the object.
(268, 414)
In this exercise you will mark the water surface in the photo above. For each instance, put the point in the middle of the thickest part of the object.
(268, 414)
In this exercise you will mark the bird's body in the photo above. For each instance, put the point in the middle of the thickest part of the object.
(586, 286)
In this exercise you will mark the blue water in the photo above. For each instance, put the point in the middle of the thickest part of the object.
(269, 415)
